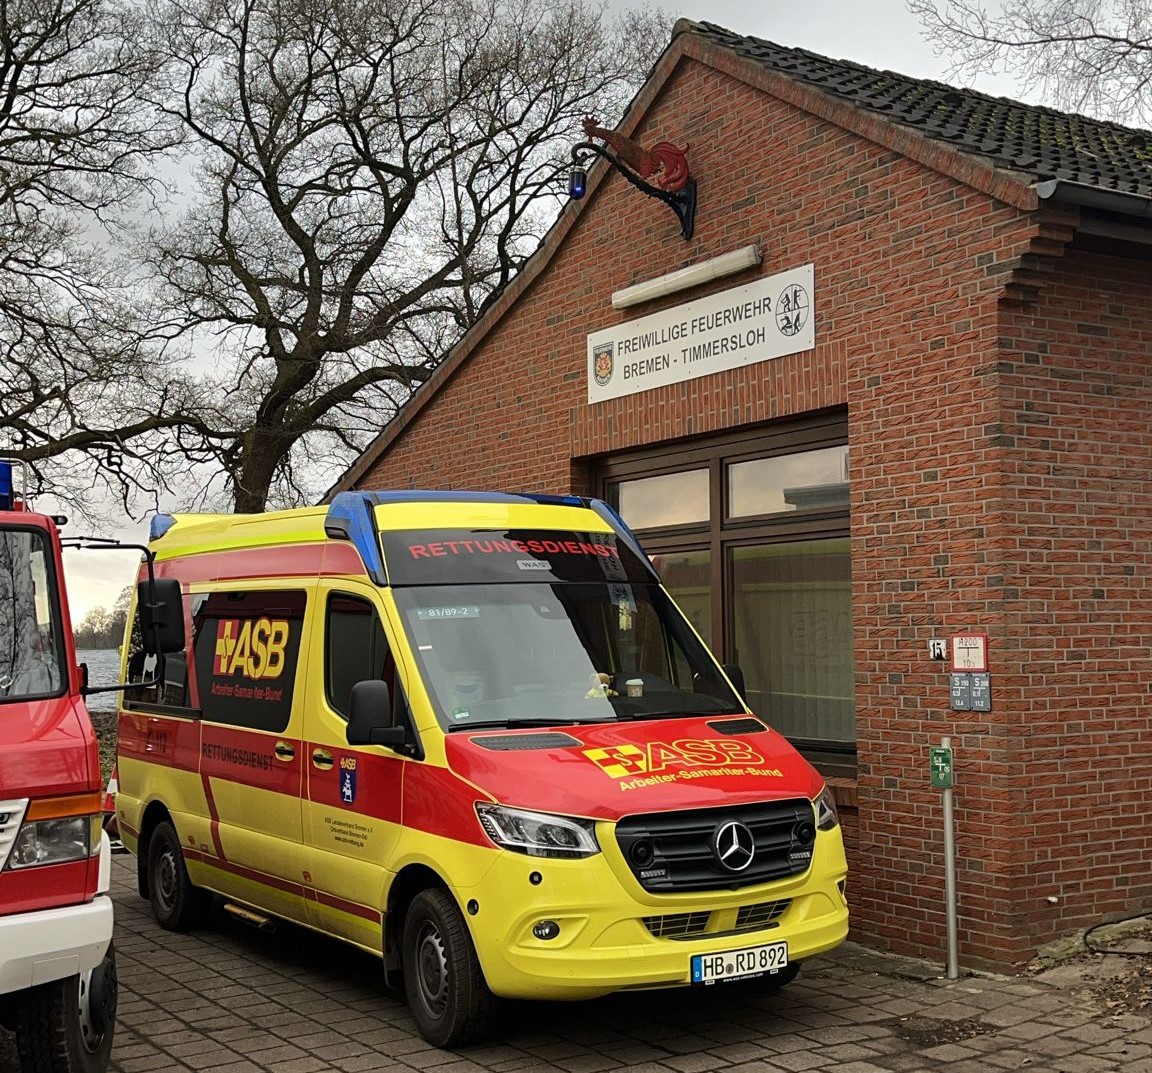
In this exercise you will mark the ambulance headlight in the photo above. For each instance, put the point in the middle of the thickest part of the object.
(538, 834)
(826, 817)
(52, 842)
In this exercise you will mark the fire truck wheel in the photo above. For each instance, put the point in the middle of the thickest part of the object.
(443, 981)
(67, 1026)
(176, 904)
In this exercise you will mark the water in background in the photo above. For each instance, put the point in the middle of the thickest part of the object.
(103, 670)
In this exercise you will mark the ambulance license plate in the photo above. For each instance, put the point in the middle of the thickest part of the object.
(739, 964)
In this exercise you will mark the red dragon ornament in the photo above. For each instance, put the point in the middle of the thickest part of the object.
(664, 166)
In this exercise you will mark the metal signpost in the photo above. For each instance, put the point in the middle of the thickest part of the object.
(941, 765)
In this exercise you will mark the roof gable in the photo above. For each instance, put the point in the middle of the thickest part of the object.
(997, 145)
(1040, 142)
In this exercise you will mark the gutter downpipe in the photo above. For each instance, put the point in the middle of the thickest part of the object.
(1094, 197)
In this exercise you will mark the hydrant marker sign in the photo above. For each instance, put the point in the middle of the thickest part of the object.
(756, 322)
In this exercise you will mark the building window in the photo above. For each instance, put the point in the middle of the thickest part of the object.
(804, 481)
(750, 533)
(687, 575)
(670, 499)
(792, 636)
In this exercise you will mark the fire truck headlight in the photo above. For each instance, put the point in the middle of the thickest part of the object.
(826, 817)
(52, 842)
(538, 834)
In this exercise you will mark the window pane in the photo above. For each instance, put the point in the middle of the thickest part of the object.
(810, 480)
(30, 655)
(792, 611)
(672, 499)
(246, 646)
(356, 650)
(686, 576)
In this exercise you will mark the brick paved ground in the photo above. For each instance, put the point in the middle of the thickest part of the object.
(234, 1000)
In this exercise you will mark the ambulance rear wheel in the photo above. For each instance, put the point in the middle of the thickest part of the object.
(443, 981)
(176, 904)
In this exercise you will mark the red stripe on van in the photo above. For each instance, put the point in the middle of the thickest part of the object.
(438, 802)
(309, 894)
(331, 559)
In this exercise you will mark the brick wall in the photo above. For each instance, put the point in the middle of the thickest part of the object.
(1077, 557)
(964, 436)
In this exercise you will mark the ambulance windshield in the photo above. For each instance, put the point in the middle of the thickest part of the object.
(559, 628)
(30, 648)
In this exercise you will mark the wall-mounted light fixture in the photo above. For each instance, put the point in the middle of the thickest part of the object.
(665, 164)
(726, 264)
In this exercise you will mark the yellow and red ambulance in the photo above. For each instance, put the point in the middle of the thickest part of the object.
(471, 734)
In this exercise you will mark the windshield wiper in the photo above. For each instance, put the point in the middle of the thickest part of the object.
(672, 713)
(527, 724)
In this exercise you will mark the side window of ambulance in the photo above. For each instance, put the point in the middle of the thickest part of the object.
(355, 649)
(246, 647)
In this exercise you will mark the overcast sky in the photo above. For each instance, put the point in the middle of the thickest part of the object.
(878, 33)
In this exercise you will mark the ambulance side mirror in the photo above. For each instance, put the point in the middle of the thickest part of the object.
(369, 717)
(161, 615)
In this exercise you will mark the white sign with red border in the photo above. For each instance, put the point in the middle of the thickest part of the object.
(969, 651)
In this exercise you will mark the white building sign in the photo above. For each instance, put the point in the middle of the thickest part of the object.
(765, 319)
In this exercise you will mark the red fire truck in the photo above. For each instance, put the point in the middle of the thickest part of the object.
(57, 967)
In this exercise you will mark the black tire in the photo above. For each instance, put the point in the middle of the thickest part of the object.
(443, 981)
(176, 904)
(67, 1026)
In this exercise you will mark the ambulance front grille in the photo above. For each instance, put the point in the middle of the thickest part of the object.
(695, 925)
(677, 851)
(678, 925)
(755, 917)
(11, 816)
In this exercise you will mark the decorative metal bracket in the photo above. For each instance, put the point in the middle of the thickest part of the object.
(666, 162)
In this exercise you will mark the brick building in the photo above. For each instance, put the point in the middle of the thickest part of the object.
(953, 437)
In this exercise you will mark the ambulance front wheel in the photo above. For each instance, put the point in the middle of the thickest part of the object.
(443, 981)
(176, 904)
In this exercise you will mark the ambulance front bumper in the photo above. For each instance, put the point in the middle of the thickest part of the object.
(611, 936)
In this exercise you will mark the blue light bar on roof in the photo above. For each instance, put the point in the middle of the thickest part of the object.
(350, 518)
(160, 525)
(5, 485)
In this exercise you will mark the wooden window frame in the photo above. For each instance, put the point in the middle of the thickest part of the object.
(722, 532)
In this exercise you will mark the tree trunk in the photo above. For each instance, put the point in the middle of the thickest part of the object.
(253, 477)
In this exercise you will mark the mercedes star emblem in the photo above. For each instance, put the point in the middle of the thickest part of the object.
(734, 846)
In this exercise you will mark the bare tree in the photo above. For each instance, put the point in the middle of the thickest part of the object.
(372, 173)
(1085, 55)
(81, 381)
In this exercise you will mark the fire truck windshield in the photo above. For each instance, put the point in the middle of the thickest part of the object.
(566, 652)
(31, 648)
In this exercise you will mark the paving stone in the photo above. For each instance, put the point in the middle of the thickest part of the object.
(231, 1000)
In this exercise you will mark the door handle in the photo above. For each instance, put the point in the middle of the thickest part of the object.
(321, 759)
(284, 751)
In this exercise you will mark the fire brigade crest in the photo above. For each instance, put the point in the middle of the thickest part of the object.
(602, 363)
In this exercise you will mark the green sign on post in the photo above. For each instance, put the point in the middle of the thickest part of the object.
(941, 763)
